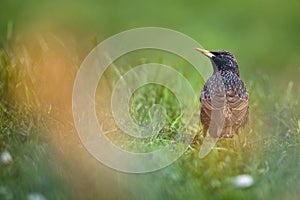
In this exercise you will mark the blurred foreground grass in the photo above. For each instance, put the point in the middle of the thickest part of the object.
(37, 73)
(31, 170)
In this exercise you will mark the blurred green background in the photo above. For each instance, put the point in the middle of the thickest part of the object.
(264, 37)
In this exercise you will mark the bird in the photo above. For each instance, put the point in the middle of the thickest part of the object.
(224, 97)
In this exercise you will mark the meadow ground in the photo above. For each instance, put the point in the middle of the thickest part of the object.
(40, 56)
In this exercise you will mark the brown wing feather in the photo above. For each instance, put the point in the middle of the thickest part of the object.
(240, 112)
(235, 109)
(212, 112)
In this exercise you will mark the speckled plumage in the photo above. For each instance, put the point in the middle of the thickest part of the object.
(224, 98)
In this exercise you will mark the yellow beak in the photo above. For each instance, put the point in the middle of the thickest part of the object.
(205, 52)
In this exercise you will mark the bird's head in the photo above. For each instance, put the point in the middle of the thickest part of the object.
(221, 60)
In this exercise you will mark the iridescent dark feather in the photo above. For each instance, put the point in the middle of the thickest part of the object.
(224, 95)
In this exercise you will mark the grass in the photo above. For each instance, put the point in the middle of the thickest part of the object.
(37, 71)
(267, 149)
(32, 169)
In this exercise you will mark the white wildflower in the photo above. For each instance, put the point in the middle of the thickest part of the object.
(243, 181)
(6, 157)
(36, 196)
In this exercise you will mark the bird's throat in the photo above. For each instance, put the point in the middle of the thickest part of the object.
(215, 67)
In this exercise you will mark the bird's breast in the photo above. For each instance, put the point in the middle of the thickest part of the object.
(224, 89)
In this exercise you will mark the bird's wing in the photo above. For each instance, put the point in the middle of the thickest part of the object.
(211, 102)
(212, 112)
(239, 108)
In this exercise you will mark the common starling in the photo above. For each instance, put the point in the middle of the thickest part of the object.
(224, 97)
